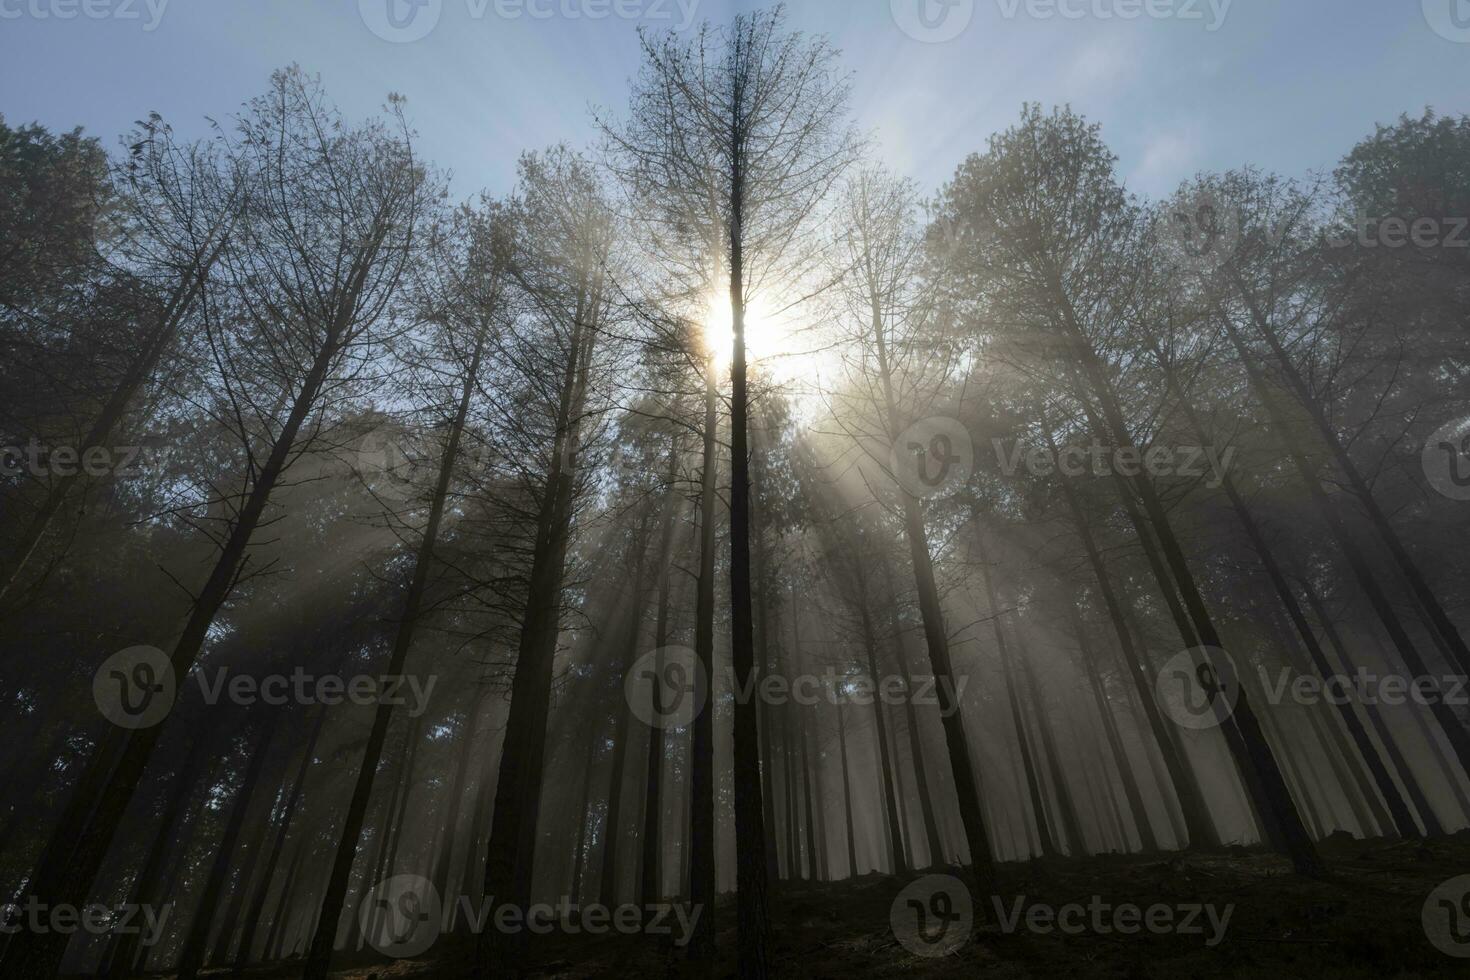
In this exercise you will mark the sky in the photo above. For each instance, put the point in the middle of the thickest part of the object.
(1179, 86)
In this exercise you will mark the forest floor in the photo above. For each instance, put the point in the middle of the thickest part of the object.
(1363, 920)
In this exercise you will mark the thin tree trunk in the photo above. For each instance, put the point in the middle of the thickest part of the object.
(580, 863)
(608, 886)
(1446, 635)
(852, 866)
(449, 829)
(651, 880)
(122, 952)
(753, 915)
(880, 723)
(192, 956)
(1362, 570)
(1402, 822)
(510, 855)
(85, 831)
(805, 743)
(916, 741)
(700, 850)
(768, 793)
(276, 935)
(1147, 839)
(288, 813)
(110, 417)
(320, 958)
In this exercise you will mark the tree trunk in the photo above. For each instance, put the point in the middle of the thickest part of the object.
(288, 813)
(110, 417)
(1242, 729)
(449, 829)
(701, 846)
(69, 865)
(122, 952)
(579, 864)
(899, 865)
(510, 855)
(192, 956)
(852, 866)
(320, 958)
(1446, 635)
(651, 880)
(1018, 723)
(1147, 839)
(750, 835)
(608, 886)
(276, 936)
(916, 740)
(1201, 829)
(1362, 570)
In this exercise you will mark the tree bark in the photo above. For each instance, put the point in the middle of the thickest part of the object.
(288, 814)
(192, 956)
(701, 845)
(320, 957)
(86, 829)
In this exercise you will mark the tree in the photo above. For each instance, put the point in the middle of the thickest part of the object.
(329, 234)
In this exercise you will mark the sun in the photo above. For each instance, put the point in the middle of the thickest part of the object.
(765, 334)
(783, 347)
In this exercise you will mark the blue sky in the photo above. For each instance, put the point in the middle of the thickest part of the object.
(1288, 85)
